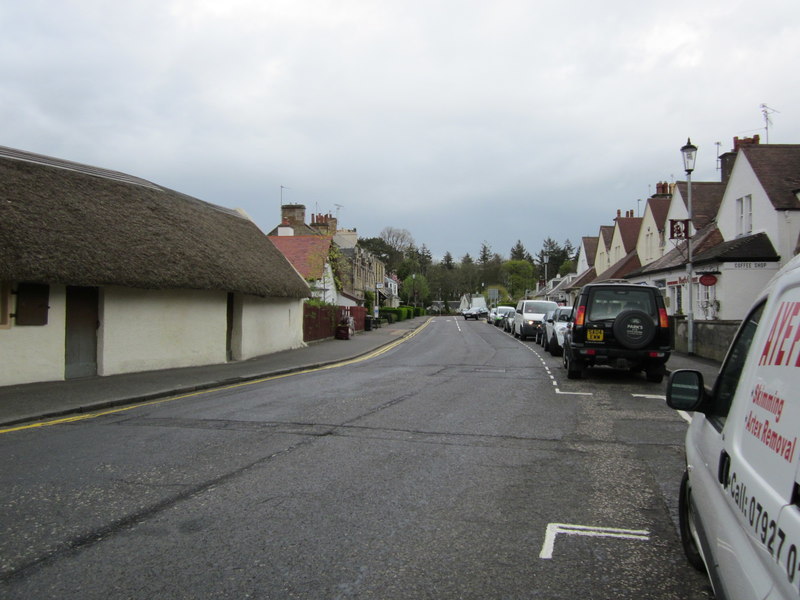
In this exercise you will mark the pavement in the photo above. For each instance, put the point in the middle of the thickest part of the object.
(51, 399)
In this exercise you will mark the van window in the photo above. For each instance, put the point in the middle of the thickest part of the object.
(728, 379)
(538, 307)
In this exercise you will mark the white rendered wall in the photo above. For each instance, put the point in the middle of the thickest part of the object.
(739, 284)
(35, 353)
(269, 325)
(143, 330)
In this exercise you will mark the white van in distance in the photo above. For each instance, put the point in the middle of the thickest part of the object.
(740, 496)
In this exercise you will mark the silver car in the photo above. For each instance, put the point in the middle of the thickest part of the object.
(554, 328)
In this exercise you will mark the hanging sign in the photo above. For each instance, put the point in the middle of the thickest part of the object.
(707, 279)
(678, 229)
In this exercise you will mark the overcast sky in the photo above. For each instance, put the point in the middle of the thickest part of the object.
(460, 121)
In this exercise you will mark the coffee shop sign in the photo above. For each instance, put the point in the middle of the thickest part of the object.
(750, 265)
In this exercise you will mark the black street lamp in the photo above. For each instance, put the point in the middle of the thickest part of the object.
(689, 152)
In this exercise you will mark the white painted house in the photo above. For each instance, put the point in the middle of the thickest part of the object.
(104, 273)
(743, 230)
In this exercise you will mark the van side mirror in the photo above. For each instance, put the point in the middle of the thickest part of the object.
(685, 390)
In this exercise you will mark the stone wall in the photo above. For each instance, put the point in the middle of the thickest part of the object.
(711, 338)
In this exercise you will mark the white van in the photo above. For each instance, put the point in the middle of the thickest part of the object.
(529, 318)
(740, 496)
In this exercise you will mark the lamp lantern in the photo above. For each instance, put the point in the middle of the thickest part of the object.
(689, 152)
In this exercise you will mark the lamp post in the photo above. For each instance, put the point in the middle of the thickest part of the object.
(689, 152)
(546, 260)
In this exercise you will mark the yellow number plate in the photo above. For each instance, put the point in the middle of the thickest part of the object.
(594, 335)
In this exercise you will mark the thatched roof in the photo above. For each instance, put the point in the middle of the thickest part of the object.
(72, 224)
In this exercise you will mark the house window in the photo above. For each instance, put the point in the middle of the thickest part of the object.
(744, 215)
(5, 305)
(677, 299)
(32, 303)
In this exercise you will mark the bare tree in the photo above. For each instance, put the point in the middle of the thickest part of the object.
(399, 239)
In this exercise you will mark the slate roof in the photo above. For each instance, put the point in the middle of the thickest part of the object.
(659, 207)
(622, 268)
(590, 245)
(756, 247)
(777, 167)
(709, 247)
(629, 231)
(299, 229)
(606, 233)
(74, 224)
(581, 280)
(706, 199)
(703, 240)
(307, 253)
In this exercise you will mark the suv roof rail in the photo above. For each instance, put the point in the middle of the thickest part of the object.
(615, 281)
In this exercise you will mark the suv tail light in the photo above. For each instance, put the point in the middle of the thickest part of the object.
(663, 320)
(580, 316)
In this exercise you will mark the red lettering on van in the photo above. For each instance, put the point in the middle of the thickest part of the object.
(781, 348)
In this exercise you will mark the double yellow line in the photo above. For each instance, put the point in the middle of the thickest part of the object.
(111, 411)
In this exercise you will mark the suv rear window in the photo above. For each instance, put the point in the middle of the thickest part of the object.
(608, 303)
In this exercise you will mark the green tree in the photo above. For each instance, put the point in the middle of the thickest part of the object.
(567, 267)
(415, 291)
(549, 259)
(518, 277)
(518, 252)
(425, 259)
(448, 261)
(388, 255)
(469, 276)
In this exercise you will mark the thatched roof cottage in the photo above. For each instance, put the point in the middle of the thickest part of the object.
(102, 272)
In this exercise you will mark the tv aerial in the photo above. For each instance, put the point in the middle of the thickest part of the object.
(767, 111)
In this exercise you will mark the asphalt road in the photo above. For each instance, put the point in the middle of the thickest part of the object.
(459, 464)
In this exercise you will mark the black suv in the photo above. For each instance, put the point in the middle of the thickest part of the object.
(620, 324)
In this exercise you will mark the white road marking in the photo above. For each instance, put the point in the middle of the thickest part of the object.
(553, 529)
(684, 415)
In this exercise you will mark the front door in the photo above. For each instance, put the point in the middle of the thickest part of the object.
(81, 331)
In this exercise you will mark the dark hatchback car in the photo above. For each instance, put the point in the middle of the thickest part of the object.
(619, 324)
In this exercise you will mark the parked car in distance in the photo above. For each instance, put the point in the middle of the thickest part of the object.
(529, 317)
(619, 324)
(476, 312)
(500, 313)
(555, 327)
(539, 337)
(508, 321)
(738, 506)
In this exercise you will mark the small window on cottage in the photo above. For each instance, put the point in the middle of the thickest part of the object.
(33, 301)
(5, 305)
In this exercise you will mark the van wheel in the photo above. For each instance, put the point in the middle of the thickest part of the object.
(687, 525)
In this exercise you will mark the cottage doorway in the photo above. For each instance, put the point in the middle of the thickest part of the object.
(81, 331)
(233, 334)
